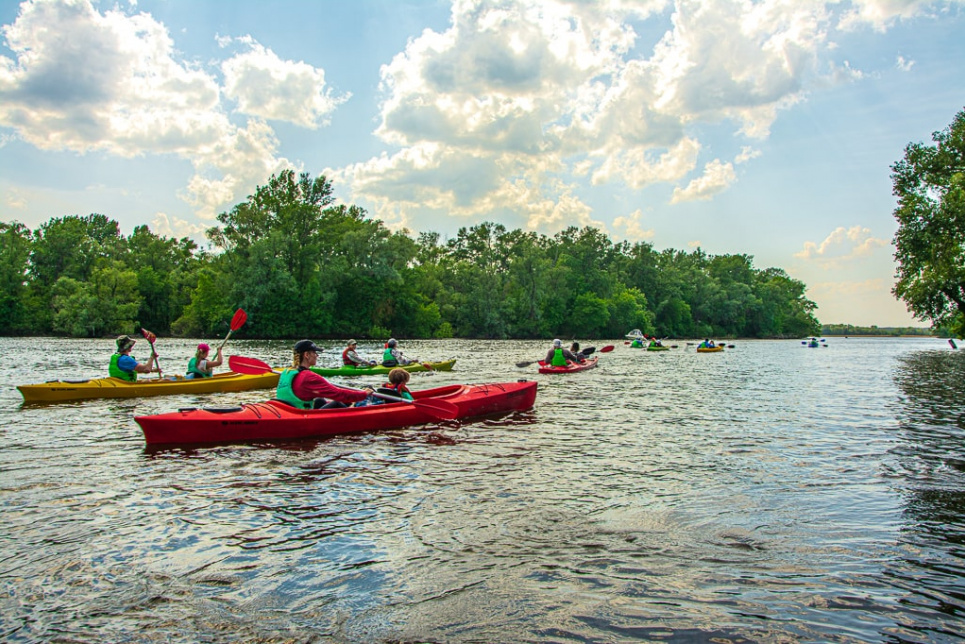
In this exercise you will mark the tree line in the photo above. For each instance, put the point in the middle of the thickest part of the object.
(302, 266)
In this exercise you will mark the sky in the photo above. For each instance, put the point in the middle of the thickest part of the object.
(758, 127)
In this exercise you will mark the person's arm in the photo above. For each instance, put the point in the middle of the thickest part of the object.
(308, 385)
(211, 364)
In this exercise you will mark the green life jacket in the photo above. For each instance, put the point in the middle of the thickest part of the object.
(285, 393)
(193, 368)
(389, 360)
(558, 359)
(117, 372)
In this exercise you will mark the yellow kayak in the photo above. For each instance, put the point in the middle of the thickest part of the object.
(66, 390)
(710, 349)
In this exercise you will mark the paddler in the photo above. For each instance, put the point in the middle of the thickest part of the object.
(124, 366)
(350, 358)
(393, 356)
(557, 356)
(301, 387)
(199, 366)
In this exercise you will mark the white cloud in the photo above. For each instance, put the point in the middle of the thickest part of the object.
(168, 226)
(716, 178)
(553, 89)
(904, 64)
(842, 245)
(266, 86)
(746, 154)
(87, 81)
(633, 230)
(880, 14)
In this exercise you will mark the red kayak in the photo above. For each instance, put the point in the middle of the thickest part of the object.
(276, 420)
(569, 368)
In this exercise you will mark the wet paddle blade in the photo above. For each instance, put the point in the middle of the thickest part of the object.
(249, 366)
(607, 349)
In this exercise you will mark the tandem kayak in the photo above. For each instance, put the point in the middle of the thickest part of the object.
(710, 349)
(658, 347)
(349, 371)
(569, 368)
(276, 420)
(67, 390)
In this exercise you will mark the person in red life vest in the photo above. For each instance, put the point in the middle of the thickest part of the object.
(352, 359)
(300, 387)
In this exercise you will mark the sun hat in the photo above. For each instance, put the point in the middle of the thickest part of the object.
(391, 343)
(351, 342)
(124, 342)
(305, 345)
(203, 347)
(557, 343)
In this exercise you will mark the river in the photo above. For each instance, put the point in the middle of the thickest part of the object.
(769, 493)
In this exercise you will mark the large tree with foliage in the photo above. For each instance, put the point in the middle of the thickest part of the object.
(930, 242)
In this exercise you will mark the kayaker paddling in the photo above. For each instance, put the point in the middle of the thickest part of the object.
(300, 387)
(393, 356)
(351, 358)
(557, 356)
(123, 365)
(199, 366)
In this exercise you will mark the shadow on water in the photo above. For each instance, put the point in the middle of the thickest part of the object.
(928, 466)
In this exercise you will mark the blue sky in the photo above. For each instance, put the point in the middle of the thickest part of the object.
(757, 127)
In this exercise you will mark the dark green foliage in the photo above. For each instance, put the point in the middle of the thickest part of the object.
(930, 242)
(302, 266)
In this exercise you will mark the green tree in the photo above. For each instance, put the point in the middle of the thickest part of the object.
(930, 242)
(14, 255)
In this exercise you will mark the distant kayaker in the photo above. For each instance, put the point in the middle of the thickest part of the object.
(352, 359)
(575, 350)
(393, 356)
(124, 366)
(706, 344)
(637, 343)
(199, 366)
(558, 356)
(303, 388)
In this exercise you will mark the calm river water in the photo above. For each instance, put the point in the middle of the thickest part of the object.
(771, 493)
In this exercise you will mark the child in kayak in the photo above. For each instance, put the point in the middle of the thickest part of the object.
(396, 386)
(199, 366)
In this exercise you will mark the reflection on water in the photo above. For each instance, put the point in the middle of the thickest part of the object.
(769, 493)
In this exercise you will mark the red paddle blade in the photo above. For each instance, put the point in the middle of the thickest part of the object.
(607, 349)
(239, 319)
(441, 409)
(250, 366)
(150, 337)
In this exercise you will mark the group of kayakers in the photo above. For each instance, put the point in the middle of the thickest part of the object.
(638, 342)
(298, 385)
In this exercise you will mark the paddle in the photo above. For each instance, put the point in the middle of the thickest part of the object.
(238, 321)
(440, 409)
(607, 349)
(150, 337)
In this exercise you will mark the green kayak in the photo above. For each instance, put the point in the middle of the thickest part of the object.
(349, 372)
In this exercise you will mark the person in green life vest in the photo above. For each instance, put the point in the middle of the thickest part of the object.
(124, 366)
(199, 366)
(393, 356)
(557, 356)
(637, 343)
(301, 387)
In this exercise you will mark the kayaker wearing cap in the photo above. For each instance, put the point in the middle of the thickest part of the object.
(558, 356)
(301, 387)
(199, 366)
(352, 359)
(393, 356)
(124, 365)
